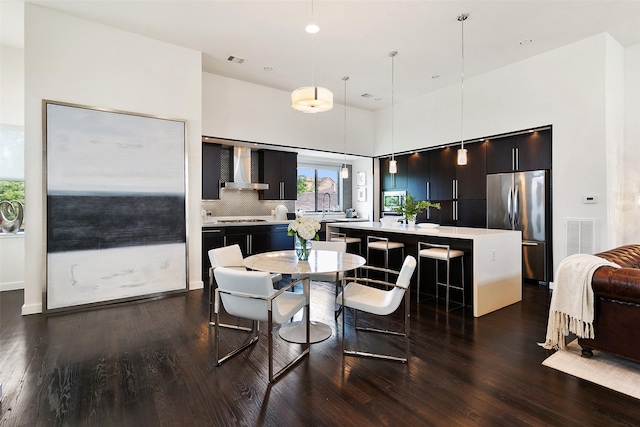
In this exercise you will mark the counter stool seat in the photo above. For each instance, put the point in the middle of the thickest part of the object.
(383, 244)
(342, 237)
(441, 253)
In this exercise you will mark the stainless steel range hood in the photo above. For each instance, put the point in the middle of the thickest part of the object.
(242, 172)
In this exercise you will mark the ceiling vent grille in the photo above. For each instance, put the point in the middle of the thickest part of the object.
(366, 95)
(236, 59)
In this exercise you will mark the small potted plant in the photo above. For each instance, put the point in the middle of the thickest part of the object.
(412, 207)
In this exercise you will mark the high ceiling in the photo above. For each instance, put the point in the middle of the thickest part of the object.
(355, 38)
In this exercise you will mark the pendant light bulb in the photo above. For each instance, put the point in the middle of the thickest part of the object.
(344, 172)
(462, 156)
(393, 166)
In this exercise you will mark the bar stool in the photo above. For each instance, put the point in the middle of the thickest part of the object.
(342, 237)
(441, 253)
(383, 244)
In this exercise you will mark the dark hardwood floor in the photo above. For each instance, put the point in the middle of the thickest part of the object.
(151, 363)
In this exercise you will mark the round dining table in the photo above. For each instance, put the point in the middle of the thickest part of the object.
(286, 262)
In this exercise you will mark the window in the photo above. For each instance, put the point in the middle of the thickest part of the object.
(11, 166)
(319, 188)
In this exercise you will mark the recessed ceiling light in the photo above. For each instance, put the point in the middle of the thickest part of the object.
(312, 28)
(378, 99)
(435, 76)
(525, 41)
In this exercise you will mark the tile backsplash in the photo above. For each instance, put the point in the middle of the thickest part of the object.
(243, 203)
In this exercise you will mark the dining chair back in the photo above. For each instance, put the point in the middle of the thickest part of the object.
(250, 295)
(361, 294)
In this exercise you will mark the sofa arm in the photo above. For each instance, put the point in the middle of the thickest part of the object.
(621, 284)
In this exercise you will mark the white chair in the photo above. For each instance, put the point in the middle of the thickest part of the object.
(227, 256)
(250, 295)
(342, 237)
(358, 295)
(446, 254)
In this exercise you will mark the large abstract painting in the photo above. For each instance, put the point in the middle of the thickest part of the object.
(115, 208)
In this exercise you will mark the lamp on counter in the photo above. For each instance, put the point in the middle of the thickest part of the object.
(312, 99)
(393, 164)
(462, 152)
(344, 172)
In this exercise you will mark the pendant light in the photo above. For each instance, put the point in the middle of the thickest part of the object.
(345, 170)
(462, 152)
(393, 164)
(312, 99)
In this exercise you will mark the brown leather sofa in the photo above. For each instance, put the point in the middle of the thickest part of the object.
(617, 300)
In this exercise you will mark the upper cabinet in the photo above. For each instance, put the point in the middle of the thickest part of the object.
(211, 171)
(418, 169)
(279, 169)
(471, 178)
(443, 174)
(397, 181)
(525, 152)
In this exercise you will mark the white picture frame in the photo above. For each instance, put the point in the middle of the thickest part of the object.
(361, 179)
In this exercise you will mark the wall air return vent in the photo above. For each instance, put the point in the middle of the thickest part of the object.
(580, 236)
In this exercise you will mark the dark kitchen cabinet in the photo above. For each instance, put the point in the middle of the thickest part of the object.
(212, 237)
(525, 152)
(251, 239)
(471, 213)
(472, 177)
(442, 173)
(418, 168)
(211, 171)
(278, 239)
(279, 169)
(397, 181)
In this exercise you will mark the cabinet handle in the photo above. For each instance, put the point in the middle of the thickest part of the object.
(428, 190)
(513, 159)
(281, 190)
(212, 231)
(517, 158)
(224, 241)
(248, 239)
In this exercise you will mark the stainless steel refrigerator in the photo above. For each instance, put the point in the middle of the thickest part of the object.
(521, 201)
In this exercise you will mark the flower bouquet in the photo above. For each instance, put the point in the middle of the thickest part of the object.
(304, 229)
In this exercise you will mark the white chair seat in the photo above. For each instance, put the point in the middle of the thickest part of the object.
(369, 299)
(288, 304)
(382, 246)
(440, 253)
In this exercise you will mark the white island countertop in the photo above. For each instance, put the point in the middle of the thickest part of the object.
(495, 255)
(450, 232)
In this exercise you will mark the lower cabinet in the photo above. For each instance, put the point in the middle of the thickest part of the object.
(251, 239)
(278, 239)
(211, 238)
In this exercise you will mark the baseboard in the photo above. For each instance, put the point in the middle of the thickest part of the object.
(199, 284)
(11, 286)
(31, 309)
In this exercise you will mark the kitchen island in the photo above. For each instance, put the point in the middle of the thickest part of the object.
(493, 258)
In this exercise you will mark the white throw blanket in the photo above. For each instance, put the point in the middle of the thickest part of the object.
(572, 302)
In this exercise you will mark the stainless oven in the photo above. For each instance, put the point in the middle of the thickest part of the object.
(391, 200)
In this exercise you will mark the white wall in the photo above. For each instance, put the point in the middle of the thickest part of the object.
(11, 86)
(631, 156)
(73, 60)
(572, 88)
(244, 111)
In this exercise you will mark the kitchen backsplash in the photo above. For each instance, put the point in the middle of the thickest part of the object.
(243, 203)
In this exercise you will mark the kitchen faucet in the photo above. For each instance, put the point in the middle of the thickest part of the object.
(324, 196)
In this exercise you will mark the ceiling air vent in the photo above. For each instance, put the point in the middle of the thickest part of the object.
(236, 59)
(366, 95)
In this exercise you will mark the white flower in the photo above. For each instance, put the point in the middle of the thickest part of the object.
(306, 228)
